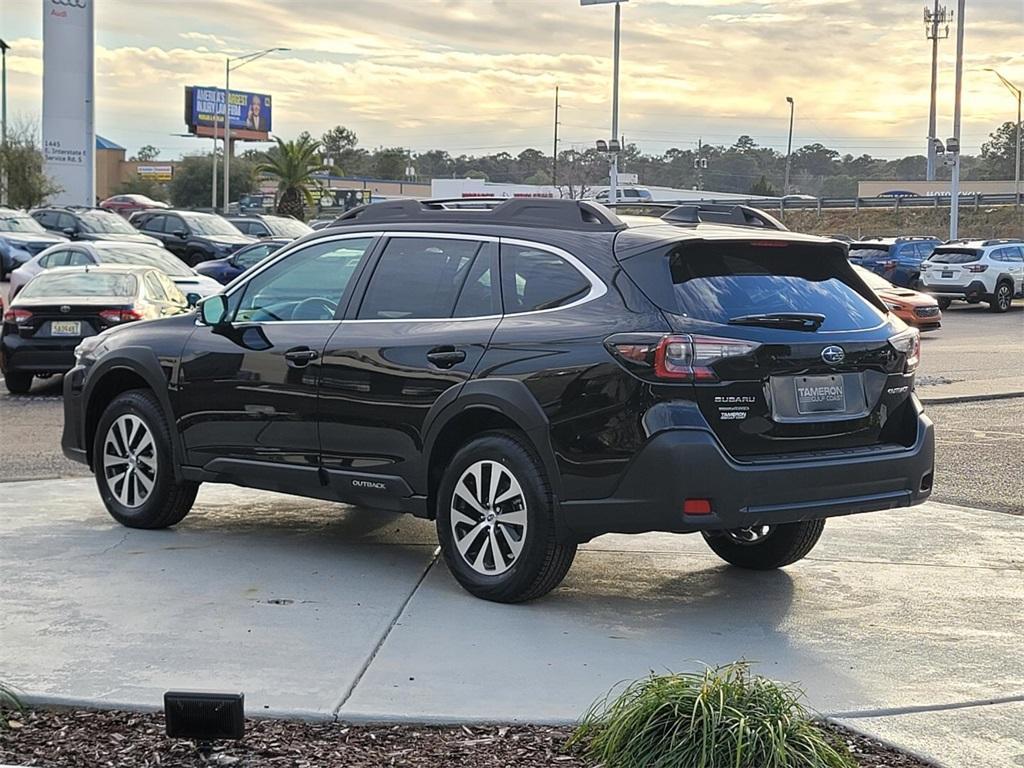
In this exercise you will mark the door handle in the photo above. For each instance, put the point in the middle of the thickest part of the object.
(300, 357)
(446, 356)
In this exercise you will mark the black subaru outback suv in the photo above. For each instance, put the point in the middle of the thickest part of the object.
(529, 374)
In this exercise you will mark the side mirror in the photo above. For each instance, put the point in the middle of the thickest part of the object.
(69, 231)
(193, 299)
(213, 310)
(181, 233)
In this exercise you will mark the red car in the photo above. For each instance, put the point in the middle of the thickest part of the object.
(128, 204)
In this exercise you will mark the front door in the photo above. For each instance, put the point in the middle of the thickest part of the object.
(429, 308)
(248, 390)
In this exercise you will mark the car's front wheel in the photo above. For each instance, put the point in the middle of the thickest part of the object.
(134, 464)
(764, 547)
(1002, 298)
(944, 304)
(18, 382)
(495, 521)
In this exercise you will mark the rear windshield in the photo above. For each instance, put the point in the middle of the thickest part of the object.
(868, 252)
(285, 227)
(146, 256)
(52, 285)
(953, 257)
(718, 281)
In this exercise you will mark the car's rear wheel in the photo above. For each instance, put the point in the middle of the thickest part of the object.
(764, 547)
(944, 303)
(134, 464)
(495, 521)
(18, 382)
(1002, 298)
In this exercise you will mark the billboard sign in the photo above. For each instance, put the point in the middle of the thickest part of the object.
(204, 108)
(69, 134)
(155, 172)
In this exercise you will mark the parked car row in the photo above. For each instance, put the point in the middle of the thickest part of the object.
(990, 271)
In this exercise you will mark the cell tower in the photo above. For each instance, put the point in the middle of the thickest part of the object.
(936, 27)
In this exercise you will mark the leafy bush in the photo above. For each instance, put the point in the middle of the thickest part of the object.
(8, 700)
(724, 717)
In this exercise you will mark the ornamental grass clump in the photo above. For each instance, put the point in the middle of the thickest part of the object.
(724, 717)
(8, 701)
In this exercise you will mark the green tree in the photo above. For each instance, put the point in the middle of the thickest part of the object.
(22, 165)
(292, 164)
(337, 145)
(146, 154)
(390, 163)
(193, 177)
(763, 188)
(998, 154)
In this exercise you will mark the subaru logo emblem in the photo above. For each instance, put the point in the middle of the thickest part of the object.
(65, 309)
(833, 355)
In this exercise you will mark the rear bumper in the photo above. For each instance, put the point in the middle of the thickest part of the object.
(690, 463)
(973, 290)
(37, 356)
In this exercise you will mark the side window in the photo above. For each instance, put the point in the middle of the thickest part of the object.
(174, 224)
(154, 288)
(55, 259)
(46, 218)
(243, 227)
(66, 221)
(422, 278)
(1017, 254)
(308, 285)
(252, 257)
(533, 279)
(923, 250)
(174, 294)
(154, 224)
(78, 259)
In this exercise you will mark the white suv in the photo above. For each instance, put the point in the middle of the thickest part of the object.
(975, 270)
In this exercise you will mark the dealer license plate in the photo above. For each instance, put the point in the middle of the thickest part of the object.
(820, 394)
(66, 328)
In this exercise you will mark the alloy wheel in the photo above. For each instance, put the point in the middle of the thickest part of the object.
(488, 517)
(129, 460)
(1003, 297)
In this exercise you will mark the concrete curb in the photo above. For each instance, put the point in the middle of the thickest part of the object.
(947, 399)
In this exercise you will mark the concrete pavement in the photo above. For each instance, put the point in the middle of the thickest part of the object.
(904, 621)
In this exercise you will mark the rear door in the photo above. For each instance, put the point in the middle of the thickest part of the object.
(775, 385)
(428, 307)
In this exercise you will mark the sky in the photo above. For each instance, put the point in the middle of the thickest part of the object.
(478, 76)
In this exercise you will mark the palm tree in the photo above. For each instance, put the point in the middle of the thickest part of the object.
(293, 164)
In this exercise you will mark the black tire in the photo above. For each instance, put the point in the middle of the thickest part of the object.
(1002, 299)
(783, 545)
(194, 257)
(169, 500)
(18, 382)
(944, 304)
(544, 559)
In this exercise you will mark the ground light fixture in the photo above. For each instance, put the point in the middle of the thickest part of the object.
(204, 717)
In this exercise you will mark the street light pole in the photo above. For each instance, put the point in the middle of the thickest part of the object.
(954, 186)
(613, 176)
(3, 119)
(789, 145)
(239, 61)
(1016, 162)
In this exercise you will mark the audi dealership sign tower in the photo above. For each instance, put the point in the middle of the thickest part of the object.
(69, 133)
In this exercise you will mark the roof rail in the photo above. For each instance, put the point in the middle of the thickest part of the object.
(909, 238)
(552, 213)
(1003, 241)
(734, 215)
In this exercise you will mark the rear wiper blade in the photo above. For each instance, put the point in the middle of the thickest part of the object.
(799, 321)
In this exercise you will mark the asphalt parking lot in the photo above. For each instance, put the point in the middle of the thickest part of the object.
(978, 462)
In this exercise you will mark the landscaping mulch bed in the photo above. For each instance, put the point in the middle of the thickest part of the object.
(87, 739)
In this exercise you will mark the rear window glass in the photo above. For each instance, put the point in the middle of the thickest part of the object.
(146, 256)
(953, 257)
(50, 284)
(868, 253)
(717, 282)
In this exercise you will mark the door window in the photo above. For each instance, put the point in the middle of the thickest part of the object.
(47, 218)
(154, 224)
(254, 256)
(423, 278)
(154, 288)
(307, 285)
(533, 279)
(55, 259)
(66, 221)
(79, 259)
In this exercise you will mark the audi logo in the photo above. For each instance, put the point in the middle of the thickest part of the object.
(833, 355)
(71, 3)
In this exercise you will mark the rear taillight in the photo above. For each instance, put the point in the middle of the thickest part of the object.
(681, 357)
(976, 268)
(120, 315)
(909, 343)
(887, 265)
(18, 316)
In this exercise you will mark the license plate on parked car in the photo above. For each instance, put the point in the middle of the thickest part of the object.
(947, 274)
(820, 394)
(66, 328)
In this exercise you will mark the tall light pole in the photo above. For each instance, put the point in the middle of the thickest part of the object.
(613, 174)
(1016, 162)
(789, 145)
(934, 19)
(3, 119)
(954, 186)
(230, 64)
